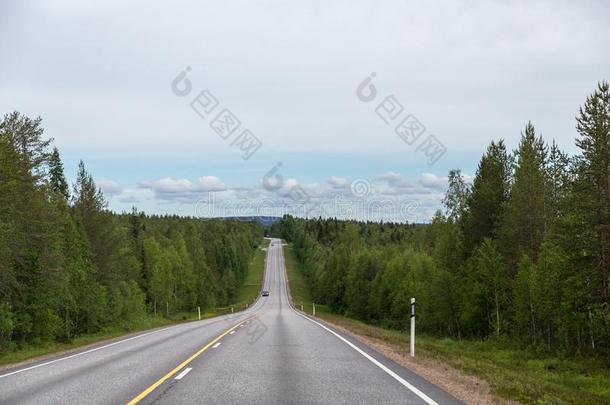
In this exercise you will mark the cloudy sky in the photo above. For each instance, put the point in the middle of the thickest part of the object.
(456, 74)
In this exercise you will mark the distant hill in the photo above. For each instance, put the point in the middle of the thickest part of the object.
(263, 220)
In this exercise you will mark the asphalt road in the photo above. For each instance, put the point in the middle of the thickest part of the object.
(269, 353)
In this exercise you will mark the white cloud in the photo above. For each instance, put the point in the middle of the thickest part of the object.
(389, 176)
(338, 182)
(430, 180)
(183, 190)
(210, 183)
(287, 187)
(393, 179)
(392, 197)
(109, 187)
(168, 185)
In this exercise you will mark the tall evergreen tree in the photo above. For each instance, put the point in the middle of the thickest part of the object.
(489, 193)
(525, 218)
(593, 125)
(57, 179)
(90, 212)
(559, 177)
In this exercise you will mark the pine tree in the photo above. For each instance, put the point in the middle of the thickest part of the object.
(559, 177)
(57, 179)
(489, 193)
(525, 219)
(89, 208)
(593, 125)
(87, 198)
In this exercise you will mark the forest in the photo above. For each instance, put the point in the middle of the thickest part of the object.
(521, 252)
(70, 267)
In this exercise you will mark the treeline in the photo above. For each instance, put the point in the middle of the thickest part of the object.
(68, 266)
(522, 252)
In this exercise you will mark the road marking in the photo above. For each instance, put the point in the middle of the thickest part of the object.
(83, 353)
(183, 373)
(216, 345)
(180, 366)
(232, 332)
(398, 378)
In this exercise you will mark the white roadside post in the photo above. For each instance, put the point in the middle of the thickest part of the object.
(314, 308)
(231, 309)
(412, 340)
(199, 312)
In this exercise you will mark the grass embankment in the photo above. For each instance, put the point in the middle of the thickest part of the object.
(28, 351)
(254, 279)
(512, 373)
(246, 296)
(299, 289)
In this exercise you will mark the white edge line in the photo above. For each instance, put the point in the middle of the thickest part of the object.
(83, 353)
(216, 345)
(377, 363)
(183, 373)
(398, 378)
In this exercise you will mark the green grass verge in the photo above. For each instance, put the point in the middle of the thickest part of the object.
(512, 373)
(254, 279)
(299, 288)
(26, 352)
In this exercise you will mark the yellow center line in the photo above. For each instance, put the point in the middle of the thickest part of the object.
(167, 376)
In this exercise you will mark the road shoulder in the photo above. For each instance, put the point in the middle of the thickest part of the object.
(467, 388)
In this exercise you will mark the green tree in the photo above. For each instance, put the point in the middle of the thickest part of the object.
(456, 197)
(489, 193)
(525, 219)
(593, 125)
(57, 179)
(494, 278)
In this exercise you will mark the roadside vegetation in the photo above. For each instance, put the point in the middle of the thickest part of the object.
(513, 372)
(513, 272)
(299, 288)
(247, 293)
(71, 271)
(252, 285)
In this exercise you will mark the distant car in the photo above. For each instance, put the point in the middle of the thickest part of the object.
(265, 293)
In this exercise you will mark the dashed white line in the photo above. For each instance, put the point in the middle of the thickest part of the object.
(183, 373)
(232, 332)
(216, 345)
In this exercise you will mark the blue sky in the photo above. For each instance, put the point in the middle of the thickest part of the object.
(100, 76)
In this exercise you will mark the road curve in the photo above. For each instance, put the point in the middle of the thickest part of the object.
(270, 353)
